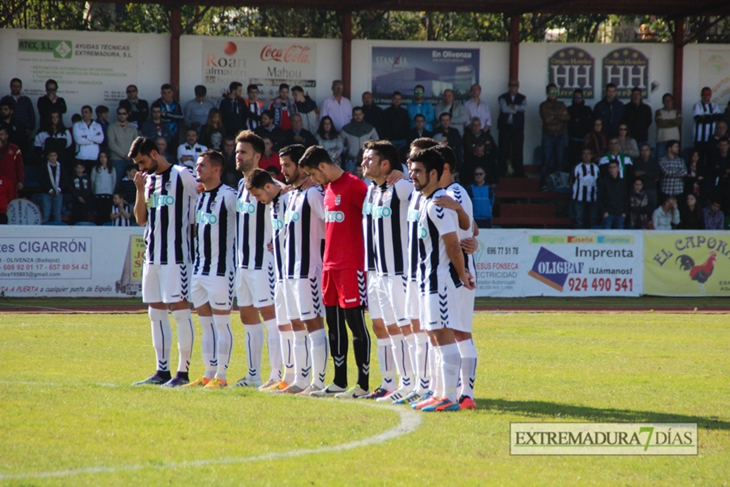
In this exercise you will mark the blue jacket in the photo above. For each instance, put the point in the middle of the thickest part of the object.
(612, 114)
(482, 198)
(425, 109)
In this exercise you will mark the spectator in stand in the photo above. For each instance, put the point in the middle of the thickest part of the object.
(161, 144)
(627, 144)
(88, 136)
(612, 198)
(156, 127)
(610, 110)
(713, 217)
(694, 181)
(718, 169)
(373, 113)
(482, 197)
(297, 134)
(596, 140)
(355, 134)
(81, 195)
(138, 109)
(329, 138)
(16, 132)
(283, 108)
(120, 215)
(420, 106)
(196, 110)
(668, 124)
(188, 153)
(397, 122)
(475, 107)
(102, 118)
(554, 115)
(267, 128)
(690, 214)
(673, 170)
(230, 176)
(120, 136)
(614, 154)
(103, 182)
(307, 108)
(511, 125)
(639, 209)
(666, 215)
(171, 112)
(75, 118)
(720, 133)
(419, 129)
(337, 107)
(638, 117)
(270, 158)
(23, 112)
(647, 169)
(579, 126)
(484, 156)
(706, 115)
(53, 182)
(212, 132)
(585, 191)
(56, 137)
(446, 134)
(255, 107)
(50, 102)
(126, 187)
(455, 109)
(726, 114)
(474, 134)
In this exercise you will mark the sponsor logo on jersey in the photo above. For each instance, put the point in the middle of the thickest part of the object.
(243, 206)
(422, 232)
(382, 212)
(159, 200)
(334, 216)
(206, 218)
(413, 216)
(367, 209)
(291, 216)
(277, 224)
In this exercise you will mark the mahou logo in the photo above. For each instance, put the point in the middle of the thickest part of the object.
(293, 54)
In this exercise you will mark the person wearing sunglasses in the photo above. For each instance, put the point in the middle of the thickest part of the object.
(554, 116)
(138, 109)
(421, 106)
(50, 102)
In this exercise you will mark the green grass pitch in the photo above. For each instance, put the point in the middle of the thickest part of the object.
(70, 416)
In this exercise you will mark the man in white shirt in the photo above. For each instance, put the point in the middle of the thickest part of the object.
(337, 107)
(188, 153)
(475, 107)
(88, 136)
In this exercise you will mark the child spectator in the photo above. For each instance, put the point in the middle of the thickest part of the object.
(103, 182)
(120, 215)
(690, 214)
(126, 187)
(482, 197)
(666, 215)
(612, 198)
(585, 190)
(713, 215)
(80, 194)
(639, 209)
(53, 182)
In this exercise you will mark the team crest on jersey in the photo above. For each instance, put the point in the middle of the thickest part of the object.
(212, 205)
(338, 200)
(168, 185)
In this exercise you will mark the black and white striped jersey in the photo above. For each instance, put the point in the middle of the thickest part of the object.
(253, 230)
(434, 263)
(215, 229)
(705, 129)
(585, 186)
(121, 221)
(278, 213)
(304, 240)
(459, 194)
(368, 231)
(170, 198)
(390, 215)
(414, 205)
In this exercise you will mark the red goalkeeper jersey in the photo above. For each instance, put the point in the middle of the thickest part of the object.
(344, 247)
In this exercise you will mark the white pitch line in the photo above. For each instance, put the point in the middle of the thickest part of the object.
(409, 422)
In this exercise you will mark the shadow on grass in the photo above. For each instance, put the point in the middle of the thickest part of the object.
(557, 412)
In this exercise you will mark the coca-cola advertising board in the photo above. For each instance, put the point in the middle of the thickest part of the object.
(267, 63)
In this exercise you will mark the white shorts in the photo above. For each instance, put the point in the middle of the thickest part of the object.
(392, 299)
(282, 318)
(216, 290)
(167, 284)
(441, 310)
(303, 298)
(413, 300)
(255, 287)
(373, 305)
(466, 308)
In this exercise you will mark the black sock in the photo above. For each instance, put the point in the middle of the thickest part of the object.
(182, 375)
(164, 374)
(337, 331)
(360, 344)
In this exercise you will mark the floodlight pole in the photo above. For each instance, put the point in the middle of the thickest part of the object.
(514, 47)
(678, 62)
(175, 31)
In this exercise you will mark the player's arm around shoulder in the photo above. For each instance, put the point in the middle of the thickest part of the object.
(315, 198)
(404, 189)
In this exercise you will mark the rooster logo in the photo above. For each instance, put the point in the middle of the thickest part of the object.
(699, 273)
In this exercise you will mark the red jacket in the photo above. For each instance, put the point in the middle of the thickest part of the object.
(11, 165)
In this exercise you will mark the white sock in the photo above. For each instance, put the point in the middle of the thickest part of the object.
(224, 343)
(287, 350)
(468, 372)
(161, 337)
(254, 348)
(185, 339)
(402, 360)
(319, 357)
(421, 368)
(435, 364)
(450, 363)
(387, 364)
(272, 330)
(411, 340)
(207, 342)
(302, 365)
